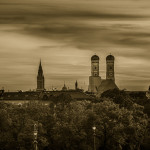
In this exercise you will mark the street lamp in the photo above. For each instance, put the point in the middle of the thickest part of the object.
(35, 133)
(94, 134)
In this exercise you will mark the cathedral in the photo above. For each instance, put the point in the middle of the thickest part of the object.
(98, 85)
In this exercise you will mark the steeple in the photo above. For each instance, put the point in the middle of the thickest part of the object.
(40, 71)
(40, 78)
(76, 85)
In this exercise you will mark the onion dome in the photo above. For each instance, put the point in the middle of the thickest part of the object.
(94, 57)
(110, 57)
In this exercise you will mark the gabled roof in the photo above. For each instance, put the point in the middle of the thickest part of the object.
(106, 85)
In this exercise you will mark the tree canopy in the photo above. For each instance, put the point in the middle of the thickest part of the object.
(67, 125)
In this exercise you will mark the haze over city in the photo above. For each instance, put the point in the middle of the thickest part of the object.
(64, 34)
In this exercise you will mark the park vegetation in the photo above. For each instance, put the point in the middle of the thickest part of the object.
(66, 124)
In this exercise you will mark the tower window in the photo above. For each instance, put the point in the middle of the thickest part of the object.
(95, 67)
(110, 67)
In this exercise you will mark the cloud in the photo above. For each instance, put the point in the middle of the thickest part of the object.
(66, 33)
(29, 12)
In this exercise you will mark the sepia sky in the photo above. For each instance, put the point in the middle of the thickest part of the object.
(65, 34)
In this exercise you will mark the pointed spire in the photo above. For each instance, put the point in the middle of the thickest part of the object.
(76, 82)
(40, 62)
(40, 70)
(40, 78)
(76, 85)
(40, 65)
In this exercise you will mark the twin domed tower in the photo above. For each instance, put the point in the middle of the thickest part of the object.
(95, 80)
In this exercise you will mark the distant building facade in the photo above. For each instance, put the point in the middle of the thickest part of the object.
(40, 79)
(98, 85)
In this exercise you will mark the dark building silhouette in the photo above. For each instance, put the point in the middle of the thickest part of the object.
(94, 79)
(40, 79)
(98, 85)
(64, 88)
(76, 85)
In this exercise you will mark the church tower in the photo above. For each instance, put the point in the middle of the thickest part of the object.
(94, 79)
(40, 79)
(110, 67)
(76, 85)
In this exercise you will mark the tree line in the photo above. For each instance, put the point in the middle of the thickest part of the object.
(66, 124)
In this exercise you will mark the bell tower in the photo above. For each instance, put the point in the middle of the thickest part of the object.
(95, 66)
(40, 79)
(76, 85)
(110, 67)
(94, 79)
